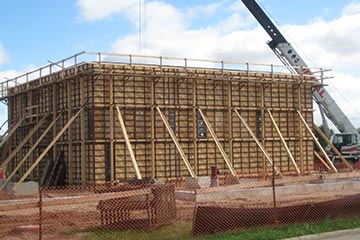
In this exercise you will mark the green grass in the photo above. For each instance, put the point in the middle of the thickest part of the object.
(183, 231)
(288, 230)
(172, 232)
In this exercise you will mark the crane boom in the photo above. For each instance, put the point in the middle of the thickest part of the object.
(292, 60)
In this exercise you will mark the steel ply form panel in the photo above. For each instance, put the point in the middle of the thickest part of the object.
(95, 148)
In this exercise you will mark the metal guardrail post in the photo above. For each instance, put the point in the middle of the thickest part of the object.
(20, 79)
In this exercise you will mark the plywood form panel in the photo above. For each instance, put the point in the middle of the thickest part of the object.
(174, 94)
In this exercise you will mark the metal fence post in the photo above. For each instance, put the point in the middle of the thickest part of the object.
(40, 212)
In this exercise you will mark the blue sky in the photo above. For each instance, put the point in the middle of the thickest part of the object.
(327, 32)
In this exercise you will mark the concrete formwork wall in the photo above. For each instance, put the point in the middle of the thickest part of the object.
(94, 145)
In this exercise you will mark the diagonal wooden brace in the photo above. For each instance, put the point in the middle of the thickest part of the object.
(128, 144)
(27, 155)
(257, 142)
(47, 149)
(317, 142)
(284, 142)
(177, 144)
(218, 144)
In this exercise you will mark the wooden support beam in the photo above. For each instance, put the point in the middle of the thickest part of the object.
(152, 109)
(111, 123)
(262, 111)
(82, 132)
(128, 144)
(60, 201)
(2, 125)
(317, 142)
(47, 149)
(177, 144)
(11, 132)
(33, 147)
(218, 144)
(194, 123)
(53, 109)
(70, 160)
(301, 137)
(22, 143)
(322, 160)
(283, 142)
(257, 141)
(230, 123)
(333, 148)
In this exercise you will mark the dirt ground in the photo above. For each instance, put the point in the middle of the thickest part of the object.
(76, 220)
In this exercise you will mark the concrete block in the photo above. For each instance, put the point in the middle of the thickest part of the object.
(316, 181)
(28, 228)
(25, 188)
(197, 182)
(280, 191)
(185, 195)
(231, 180)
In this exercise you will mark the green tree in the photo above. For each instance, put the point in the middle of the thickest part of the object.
(322, 142)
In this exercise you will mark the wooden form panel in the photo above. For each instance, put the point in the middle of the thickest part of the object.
(179, 92)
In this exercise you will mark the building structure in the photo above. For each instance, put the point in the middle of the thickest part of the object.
(123, 117)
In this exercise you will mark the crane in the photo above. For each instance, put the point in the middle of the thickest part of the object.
(347, 140)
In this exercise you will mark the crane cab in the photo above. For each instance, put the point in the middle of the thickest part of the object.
(347, 144)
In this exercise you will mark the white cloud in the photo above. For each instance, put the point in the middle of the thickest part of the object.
(92, 10)
(205, 10)
(8, 74)
(3, 56)
(351, 9)
(237, 37)
(168, 34)
(334, 44)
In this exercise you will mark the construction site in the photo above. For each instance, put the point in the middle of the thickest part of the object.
(109, 121)
(140, 142)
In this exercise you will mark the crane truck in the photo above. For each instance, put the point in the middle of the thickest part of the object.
(347, 141)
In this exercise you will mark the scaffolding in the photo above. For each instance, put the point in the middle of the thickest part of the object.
(122, 117)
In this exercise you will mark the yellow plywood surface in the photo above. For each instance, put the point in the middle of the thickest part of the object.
(179, 92)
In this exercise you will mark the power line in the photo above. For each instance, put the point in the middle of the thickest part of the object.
(309, 59)
(142, 27)
(140, 23)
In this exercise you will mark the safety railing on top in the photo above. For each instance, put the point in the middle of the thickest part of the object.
(99, 57)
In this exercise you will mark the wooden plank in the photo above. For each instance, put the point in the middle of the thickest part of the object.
(322, 160)
(152, 109)
(54, 110)
(47, 149)
(176, 142)
(257, 141)
(2, 125)
(301, 137)
(33, 147)
(22, 143)
(82, 132)
(70, 160)
(111, 123)
(128, 144)
(317, 142)
(283, 142)
(218, 144)
(20, 206)
(285, 180)
(11, 132)
(333, 148)
(71, 200)
(230, 124)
